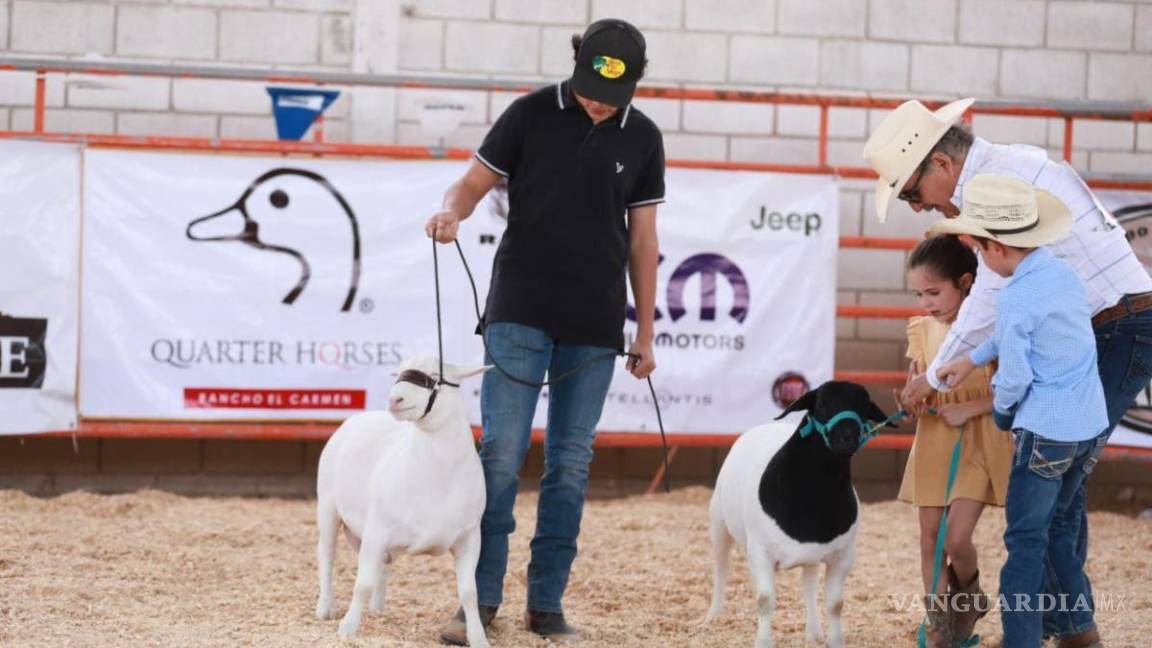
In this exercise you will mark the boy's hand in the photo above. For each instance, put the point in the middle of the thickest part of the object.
(1003, 421)
(443, 226)
(645, 364)
(954, 373)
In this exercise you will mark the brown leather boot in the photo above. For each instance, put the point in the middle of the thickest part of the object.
(1088, 639)
(938, 633)
(454, 632)
(551, 625)
(968, 604)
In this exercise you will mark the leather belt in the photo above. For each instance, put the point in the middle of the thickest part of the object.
(1128, 304)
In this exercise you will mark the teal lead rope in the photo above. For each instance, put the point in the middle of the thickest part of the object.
(871, 432)
(938, 562)
(812, 426)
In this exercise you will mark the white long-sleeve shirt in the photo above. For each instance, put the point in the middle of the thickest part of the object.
(1096, 248)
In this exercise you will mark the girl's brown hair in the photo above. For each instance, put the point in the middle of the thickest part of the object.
(945, 257)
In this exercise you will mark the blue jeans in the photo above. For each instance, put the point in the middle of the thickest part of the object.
(1042, 527)
(507, 408)
(1124, 357)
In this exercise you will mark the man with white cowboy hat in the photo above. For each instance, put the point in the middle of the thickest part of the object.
(1046, 390)
(925, 158)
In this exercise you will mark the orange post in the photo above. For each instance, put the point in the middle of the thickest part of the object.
(654, 485)
(318, 130)
(877, 243)
(823, 135)
(1068, 139)
(41, 88)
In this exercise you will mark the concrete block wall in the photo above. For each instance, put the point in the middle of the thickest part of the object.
(290, 34)
(1015, 49)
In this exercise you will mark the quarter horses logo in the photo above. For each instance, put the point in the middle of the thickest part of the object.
(297, 213)
(608, 67)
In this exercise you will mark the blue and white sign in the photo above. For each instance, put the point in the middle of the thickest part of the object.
(296, 109)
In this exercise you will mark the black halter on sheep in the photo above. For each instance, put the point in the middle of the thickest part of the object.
(812, 471)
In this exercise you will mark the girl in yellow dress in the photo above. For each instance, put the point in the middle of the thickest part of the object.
(940, 272)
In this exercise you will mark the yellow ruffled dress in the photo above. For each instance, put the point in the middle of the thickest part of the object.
(986, 454)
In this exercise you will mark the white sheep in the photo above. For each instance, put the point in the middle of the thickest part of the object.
(785, 495)
(403, 481)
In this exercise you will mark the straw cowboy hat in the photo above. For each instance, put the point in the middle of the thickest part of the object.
(902, 141)
(1008, 210)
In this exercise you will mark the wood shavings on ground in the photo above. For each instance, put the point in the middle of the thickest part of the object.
(155, 569)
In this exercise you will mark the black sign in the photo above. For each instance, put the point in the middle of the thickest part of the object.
(22, 352)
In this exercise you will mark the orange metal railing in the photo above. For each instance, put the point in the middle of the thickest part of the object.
(1068, 112)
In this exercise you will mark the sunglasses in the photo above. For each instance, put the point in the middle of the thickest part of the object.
(912, 194)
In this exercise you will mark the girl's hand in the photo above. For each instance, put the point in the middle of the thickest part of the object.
(956, 414)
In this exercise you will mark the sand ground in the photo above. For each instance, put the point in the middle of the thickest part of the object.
(155, 569)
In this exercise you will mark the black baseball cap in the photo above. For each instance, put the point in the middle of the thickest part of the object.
(609, 62)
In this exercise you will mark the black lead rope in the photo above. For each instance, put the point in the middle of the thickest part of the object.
(516, 379)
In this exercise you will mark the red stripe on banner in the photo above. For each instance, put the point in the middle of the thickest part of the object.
(236, 398)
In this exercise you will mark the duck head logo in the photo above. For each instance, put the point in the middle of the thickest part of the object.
(283, 212)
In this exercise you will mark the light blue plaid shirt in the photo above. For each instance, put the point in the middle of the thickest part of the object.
(1047, 350)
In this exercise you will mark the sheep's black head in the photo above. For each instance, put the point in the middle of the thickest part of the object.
(840, 415)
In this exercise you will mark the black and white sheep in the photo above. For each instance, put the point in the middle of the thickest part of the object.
(785, 495)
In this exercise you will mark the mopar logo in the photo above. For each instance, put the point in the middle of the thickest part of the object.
(23, 356)
(710, 268)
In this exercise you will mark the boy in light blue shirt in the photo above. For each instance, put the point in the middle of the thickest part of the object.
(1047, 390)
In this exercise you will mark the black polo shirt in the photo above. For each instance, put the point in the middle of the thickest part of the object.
(561, 264)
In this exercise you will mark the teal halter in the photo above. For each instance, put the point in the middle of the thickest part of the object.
(812, 425)
(869, 432)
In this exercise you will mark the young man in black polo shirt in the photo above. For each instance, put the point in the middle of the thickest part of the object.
(585, 172)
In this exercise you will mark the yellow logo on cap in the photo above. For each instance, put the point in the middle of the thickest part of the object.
(608, 67)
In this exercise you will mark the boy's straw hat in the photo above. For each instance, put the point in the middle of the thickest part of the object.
(901, 142)
(1008, 210)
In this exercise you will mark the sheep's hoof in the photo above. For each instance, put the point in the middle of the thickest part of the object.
(324, 610)
(814, 636)
(348, 627)
(709, 618)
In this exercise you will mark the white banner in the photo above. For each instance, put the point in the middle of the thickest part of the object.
(251, 288)
(39, 296)
(746, 301)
